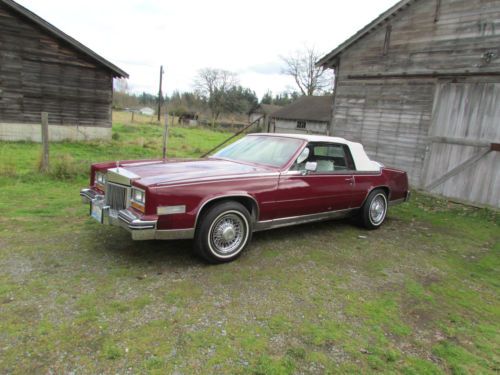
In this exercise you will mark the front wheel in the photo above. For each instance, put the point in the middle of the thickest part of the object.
(375, 209)
(223, 232)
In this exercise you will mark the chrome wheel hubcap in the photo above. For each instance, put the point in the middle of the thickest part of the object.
(377, 209)
(227, 233)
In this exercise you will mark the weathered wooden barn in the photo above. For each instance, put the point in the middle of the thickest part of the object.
(261, 115)
(308, 114)
(420, 88)
(44, 70)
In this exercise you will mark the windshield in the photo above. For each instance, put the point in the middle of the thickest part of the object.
(274, 151)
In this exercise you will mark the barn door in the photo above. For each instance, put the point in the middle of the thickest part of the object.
(462, 162)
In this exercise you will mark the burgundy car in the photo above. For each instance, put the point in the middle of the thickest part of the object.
(259, 182)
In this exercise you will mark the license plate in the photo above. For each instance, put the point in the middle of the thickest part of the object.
(96, 210)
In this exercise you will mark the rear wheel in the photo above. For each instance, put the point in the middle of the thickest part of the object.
(223, 232)
(374, 210)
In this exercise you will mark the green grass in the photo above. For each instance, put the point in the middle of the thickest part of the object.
(418, 296)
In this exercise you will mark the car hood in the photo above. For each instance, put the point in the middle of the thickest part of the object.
(179, 171)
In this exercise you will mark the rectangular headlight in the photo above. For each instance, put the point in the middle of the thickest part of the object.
(100, 179)
(138, 196)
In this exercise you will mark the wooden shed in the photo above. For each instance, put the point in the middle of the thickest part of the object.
(44, 70)
(261, 115)
(420, 88)
(308, 115)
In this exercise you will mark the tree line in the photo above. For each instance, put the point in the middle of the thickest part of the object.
(218, 91)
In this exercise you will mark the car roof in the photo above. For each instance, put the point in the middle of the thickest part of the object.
(306, 137)
(361, 160)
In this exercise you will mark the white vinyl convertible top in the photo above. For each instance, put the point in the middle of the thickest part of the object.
(361, 160)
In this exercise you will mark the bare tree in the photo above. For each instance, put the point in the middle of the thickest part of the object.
(309, 78)
(121, 85)
(214, 84)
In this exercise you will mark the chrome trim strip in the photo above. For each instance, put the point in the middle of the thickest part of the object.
(256, 216)
(146, 230)
(295, 220)
(133, 222)
(397, 201)
(214, 179)
(175, 234)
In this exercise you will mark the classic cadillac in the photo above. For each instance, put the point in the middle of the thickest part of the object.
(259, 182)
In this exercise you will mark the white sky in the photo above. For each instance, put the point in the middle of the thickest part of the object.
(246, 37)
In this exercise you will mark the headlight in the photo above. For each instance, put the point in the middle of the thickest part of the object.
(100, 178)
(138, 196)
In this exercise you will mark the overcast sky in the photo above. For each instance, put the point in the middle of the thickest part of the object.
(247, 37)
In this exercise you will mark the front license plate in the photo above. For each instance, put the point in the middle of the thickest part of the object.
(96, 211)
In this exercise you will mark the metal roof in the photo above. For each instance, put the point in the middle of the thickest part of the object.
(266, 109)
(54, 31)
(307, 108)
(331, 58)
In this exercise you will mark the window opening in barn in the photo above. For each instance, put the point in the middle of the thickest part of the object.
(387, 40)
(301, 124)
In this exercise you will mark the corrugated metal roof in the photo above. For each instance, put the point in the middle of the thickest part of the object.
(312, 108)
(51, 29)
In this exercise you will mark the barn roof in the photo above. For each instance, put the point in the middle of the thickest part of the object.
(266, 109)
(308, 108)
(54, 31)
(331, 58)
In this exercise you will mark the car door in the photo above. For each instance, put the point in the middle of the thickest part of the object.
(329, 188)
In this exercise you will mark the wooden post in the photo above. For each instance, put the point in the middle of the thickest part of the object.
(160, 95)
(45, 142)
(165, 135)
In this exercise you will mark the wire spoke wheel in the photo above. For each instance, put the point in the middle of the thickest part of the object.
(378, 209)
(228, 233)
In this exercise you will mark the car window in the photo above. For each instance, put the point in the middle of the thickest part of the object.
(330, 157)
(269, 150)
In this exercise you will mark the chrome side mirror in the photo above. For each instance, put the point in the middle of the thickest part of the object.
(311, 166)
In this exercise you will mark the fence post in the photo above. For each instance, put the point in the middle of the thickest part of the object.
(45, 142)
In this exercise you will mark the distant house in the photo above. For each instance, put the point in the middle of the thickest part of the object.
(147, 111)
(262, 115)
(419, 86)
(42, 69)
(188, 118)
(308, 114)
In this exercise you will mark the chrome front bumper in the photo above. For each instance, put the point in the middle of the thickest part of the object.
(138, 228)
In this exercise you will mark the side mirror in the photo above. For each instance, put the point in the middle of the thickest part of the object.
(311, 166)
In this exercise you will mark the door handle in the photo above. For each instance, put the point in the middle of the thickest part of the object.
(350, 179)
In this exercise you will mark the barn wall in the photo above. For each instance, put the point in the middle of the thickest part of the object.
(389, 102)
(38, 73)
(391, 118)
(465, 122)
(465, 31)
(290, 126)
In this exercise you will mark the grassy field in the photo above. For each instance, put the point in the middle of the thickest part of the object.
(418, 296)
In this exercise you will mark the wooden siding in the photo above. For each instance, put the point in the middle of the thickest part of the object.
(290, 126)
(389, 117)
(39, 73)
(430, 73)
(466, 113)
(457, 42)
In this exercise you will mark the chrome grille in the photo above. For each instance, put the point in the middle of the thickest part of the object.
(116, 196)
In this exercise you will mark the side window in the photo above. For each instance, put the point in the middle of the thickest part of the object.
(329, 157)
